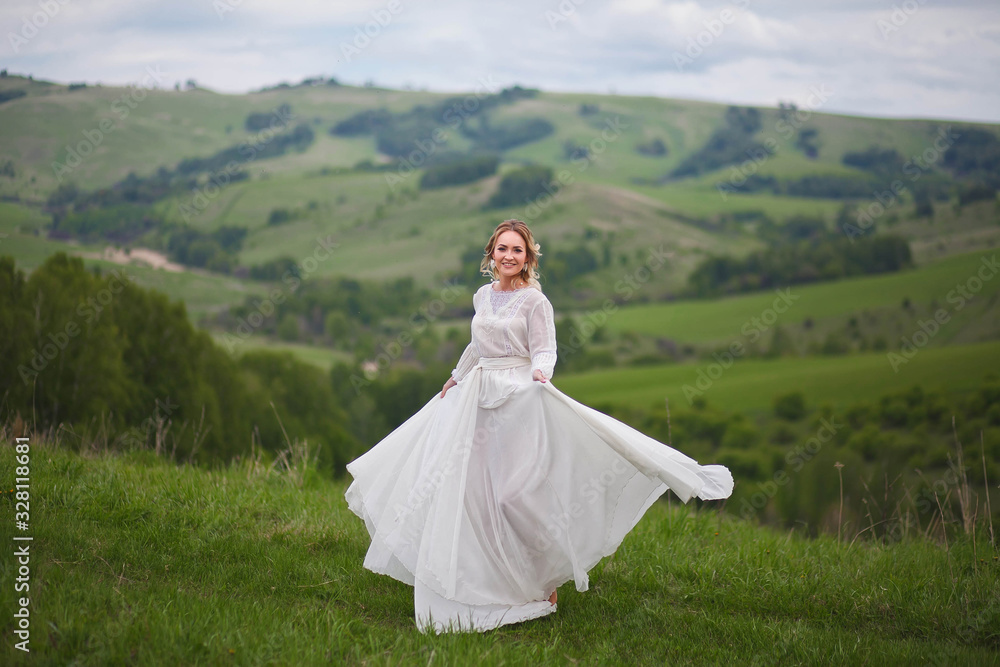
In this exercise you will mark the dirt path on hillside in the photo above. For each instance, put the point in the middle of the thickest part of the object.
(139, 256)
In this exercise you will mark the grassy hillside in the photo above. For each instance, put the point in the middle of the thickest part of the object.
(320, 357)
(875, 304)
(751, 384)
(615, 196)
(135, 560)
(158, 127)
(722, 319)
(621, 205)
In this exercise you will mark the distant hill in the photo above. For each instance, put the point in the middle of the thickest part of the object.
(629, 175)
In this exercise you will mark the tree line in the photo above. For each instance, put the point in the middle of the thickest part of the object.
(785, 459)
(92, 352)
(802, 251)
(424, 128)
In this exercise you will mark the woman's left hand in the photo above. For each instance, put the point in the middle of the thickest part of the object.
(538, 376)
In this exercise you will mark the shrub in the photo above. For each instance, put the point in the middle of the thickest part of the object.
(521, 186)
(744, 464)
(279, 216)
(894, 412)
(976, 192)
(8, 95)
(782, 434)
(652, 148)
(458, 172)
(740, 436)
(875, 159)
(791, 407)
(502, 136)
(363, 122)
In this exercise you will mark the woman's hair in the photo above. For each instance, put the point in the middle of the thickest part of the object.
(529, 272)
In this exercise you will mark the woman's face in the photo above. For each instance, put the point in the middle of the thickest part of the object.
(509, 253)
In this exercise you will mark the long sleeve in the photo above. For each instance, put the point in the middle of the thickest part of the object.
(542, 337)
(466, 363)
(470, 357)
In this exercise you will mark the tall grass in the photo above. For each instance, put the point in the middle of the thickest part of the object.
(138, 560)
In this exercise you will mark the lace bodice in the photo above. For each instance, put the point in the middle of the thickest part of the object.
(517, 323)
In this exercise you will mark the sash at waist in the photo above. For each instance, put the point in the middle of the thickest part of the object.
(492, 363)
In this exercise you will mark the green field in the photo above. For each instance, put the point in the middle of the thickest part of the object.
(723, 319)
(138, 561)
(617, 199)
(750, 385)
(383, 234)
(321, 357)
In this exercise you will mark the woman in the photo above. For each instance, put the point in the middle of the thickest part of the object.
(501, 487)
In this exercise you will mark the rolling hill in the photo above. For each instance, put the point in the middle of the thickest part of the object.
(631, 177)
(388, 229)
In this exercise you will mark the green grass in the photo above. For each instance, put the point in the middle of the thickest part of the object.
(321, 357)
(15, 218)
(750, 385)
(718, 319)
(703, 200)
(138, 561)
(169, 125)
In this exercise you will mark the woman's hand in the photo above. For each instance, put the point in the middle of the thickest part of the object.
(448, 385)
(538, 376)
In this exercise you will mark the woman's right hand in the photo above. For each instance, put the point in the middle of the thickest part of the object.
(448, 385)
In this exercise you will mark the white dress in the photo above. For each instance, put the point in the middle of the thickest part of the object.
(488, 499)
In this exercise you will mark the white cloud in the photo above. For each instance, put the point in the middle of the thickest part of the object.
(942, 60)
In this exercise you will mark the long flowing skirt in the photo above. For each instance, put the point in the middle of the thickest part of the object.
(488, 499)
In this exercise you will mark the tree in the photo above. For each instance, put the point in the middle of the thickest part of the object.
(521, 186)
(459, 171)
(288, 329)
(791, 407)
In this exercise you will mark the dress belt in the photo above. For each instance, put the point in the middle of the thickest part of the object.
(492, 363)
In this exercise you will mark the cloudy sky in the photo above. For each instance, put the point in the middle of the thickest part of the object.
(896, 58)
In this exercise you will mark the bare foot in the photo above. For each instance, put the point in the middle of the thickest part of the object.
(552, 598)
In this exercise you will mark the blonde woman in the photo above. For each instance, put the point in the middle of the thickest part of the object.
(502, 488)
